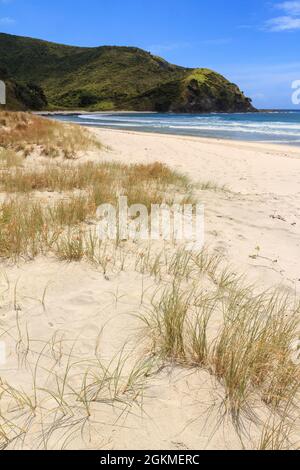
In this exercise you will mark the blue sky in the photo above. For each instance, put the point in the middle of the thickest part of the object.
(253, 43)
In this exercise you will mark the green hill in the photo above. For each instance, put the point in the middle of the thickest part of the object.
(114, 78)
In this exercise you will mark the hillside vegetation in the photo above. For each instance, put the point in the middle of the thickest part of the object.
(22, 96)
(114, 78)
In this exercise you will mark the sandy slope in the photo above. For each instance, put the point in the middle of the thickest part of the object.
(180, 408)
(261, 209)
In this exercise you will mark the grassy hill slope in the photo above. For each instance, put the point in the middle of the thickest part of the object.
(107, 78)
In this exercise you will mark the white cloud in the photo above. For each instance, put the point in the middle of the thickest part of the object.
(283, 23)
(290, 8)
(289, 21)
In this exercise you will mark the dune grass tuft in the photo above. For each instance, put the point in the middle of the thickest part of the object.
(251, 354)
(23, 133)
(29, 227)
(253, 349)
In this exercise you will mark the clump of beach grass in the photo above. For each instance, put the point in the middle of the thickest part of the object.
(31, 227)
(70, 247)
(105, 181)
(57, 178)
(170, 316)
(111, 383)
(178, 324)
(251, 354)
(253, 349)
(24, 133)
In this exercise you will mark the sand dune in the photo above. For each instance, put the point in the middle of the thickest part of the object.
(58, 318)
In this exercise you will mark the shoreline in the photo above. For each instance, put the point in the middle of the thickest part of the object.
(274, 147)
(290, 147)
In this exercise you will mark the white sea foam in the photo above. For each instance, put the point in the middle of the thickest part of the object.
(277, 126)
